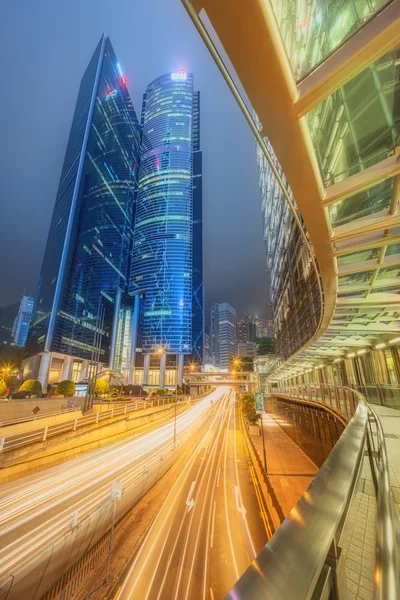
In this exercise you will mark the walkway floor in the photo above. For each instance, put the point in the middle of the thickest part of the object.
(289, 469)
(290, 472)
(390, 419)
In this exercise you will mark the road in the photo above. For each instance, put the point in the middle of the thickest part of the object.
(211, 525)
(42, 509)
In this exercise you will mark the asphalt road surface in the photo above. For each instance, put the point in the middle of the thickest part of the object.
(211, 525)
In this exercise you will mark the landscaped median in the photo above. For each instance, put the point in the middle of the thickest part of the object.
(40, 454)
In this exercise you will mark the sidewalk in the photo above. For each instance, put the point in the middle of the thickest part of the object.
(390, 419)
(289, 469)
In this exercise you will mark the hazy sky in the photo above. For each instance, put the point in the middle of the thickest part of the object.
(45, 46)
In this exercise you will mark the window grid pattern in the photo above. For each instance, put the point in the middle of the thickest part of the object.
(99, 254)
(162, 264)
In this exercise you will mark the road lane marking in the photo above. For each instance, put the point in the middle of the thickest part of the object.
(217, 419)
(226, 496)
(240, 509)
(189, 500)
(219, 473)
(212, 593)
(212, 526)
(173, 493)
(237, 479)
(117, 592)
(210, 463)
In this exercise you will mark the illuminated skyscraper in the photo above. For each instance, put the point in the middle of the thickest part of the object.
(84, 275)
(22, 321)
(167, 250)
(223, 334)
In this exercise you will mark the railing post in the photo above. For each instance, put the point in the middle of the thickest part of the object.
(1, 444)
(337, 401)
(45, 433)
(112, 413)
(75, 424)
(335, 560)
(381, 395)
(97, 417)
(125, 409)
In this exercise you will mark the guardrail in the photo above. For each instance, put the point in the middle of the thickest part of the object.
(386, 395)
(41, 435)
(302, 559)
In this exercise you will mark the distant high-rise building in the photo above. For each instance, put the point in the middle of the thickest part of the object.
(264, 328)
(246, 330)
(167, 250)
(248, 349)
(223, 334)
(84, 276)
(22, 321)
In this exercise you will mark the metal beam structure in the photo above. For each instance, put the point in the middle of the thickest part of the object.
(351, 216)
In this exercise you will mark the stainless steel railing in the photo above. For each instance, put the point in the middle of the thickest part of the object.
(303, 558)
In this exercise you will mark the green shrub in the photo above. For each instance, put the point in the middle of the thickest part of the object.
(3, 388)
(65, 388)
(249, 408)
(102, 386)
(33, 386)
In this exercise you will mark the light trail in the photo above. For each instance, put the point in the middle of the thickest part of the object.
(200, 543)
(37, 510)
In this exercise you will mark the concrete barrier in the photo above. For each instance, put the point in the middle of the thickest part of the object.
(40, 455)
(19, 409)
(38, 423)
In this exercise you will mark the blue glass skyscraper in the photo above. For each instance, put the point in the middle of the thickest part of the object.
(167, 250)
(84, 275)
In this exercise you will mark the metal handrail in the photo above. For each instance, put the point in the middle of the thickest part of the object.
(303, 550)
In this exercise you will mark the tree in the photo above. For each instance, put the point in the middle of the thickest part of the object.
(3, 388)
(249, 408)
(65, 388)
(33, 386)
(264, 346)
(246, 364)
(102, 387)
(11, 355)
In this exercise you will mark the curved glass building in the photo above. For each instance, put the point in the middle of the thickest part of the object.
(323, 79)
(163, 252)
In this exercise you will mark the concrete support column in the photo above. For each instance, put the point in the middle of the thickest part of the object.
(85, 370)
(44, 369)
(66, 372)
(146, 369)
(163, 364)
(114, 331)
(180, 369)
(134, 335)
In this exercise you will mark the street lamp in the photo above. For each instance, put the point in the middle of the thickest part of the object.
(237, 362)
(160, 351)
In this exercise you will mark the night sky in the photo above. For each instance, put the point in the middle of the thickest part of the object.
(45, 47)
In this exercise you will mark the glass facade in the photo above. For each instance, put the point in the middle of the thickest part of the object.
(293, 286)
(351, 130)
(312, 30)
(88, 251)
(22, 321)
(167, 262)
(198, 317)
